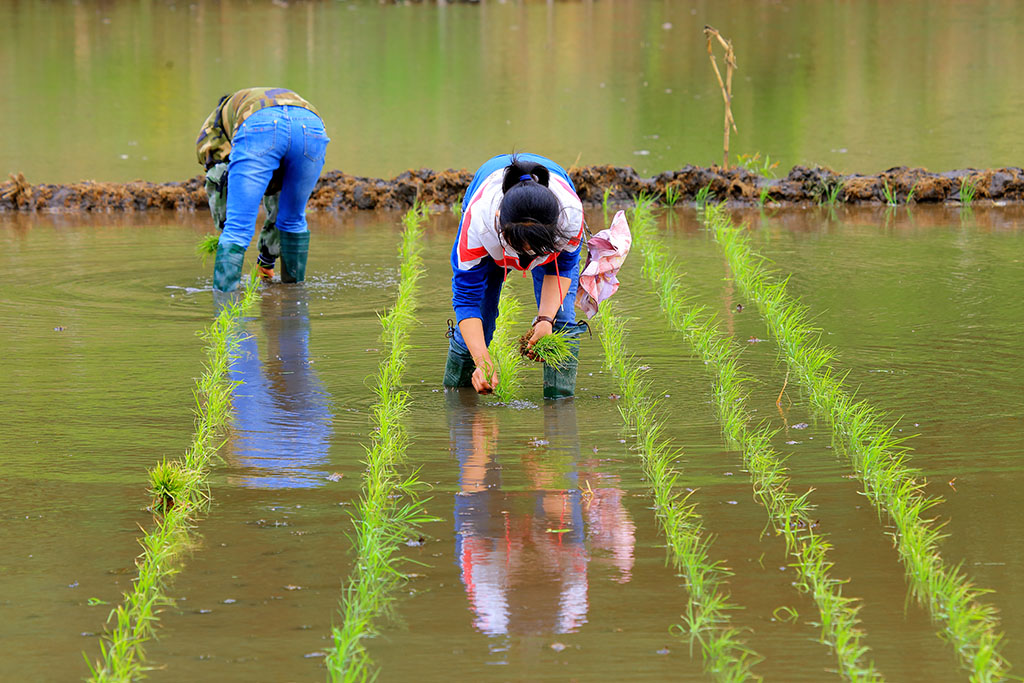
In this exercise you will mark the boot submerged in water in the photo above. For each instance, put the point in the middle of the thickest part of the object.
(294, 251)
(560, 382)
(458, 370)
(227, 270)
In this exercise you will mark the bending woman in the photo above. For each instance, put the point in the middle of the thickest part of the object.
(271, 143)
(520, 212)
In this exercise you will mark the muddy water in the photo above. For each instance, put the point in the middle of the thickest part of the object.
(523, 577)
(114, 91)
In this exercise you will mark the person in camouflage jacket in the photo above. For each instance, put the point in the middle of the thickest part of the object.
(269, 144)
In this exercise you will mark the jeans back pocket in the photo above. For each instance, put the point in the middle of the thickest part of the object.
(258, 140)
(315, 143)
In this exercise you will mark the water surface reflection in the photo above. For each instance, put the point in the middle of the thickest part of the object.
(525, 555)
(282, 421)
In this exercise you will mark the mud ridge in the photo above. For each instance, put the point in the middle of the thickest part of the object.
(338, 191)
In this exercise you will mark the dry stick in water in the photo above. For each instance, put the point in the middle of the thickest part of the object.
(180, 494)
(789, 513)
(381, 521)
(879, 461)
(724, 654)
(730, 65)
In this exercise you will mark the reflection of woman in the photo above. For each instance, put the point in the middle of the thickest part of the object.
(524, 555)
(282, 423)
(521, 212)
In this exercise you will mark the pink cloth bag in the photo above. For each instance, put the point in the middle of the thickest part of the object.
(605, 253)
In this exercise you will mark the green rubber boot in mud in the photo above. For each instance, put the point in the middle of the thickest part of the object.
(458, 370)
(294, 250)
(227, 270)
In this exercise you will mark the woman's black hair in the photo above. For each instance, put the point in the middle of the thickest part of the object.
(529, 212)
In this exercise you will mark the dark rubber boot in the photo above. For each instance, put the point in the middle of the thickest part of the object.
(561, 382)
(227, 270)
(294, 250)
(458, 371)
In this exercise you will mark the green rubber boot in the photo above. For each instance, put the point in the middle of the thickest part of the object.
(227, 270)
(561, 382)
(294, 250)
(458, 371)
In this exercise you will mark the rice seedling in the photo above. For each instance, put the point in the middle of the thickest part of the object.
(707, 620)
(180, 492)
(763, 196)
(968, 188)
(789, 513)
(606, 202)
(555, 349)
(705, 195)
(207, 246)
(880, 461)
(755, 164)
(382, 521)
(889, 194)
(505, 348)
(672, 195)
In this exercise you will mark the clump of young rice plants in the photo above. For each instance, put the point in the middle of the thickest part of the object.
(179, 491)
(672, 195)
(790, 513)
(889, 194)
(880, 461)
(556, 349)
(705, 195)
(504, 348)
(207, 246)
(725, 655)
(382, 520)
(968, 188)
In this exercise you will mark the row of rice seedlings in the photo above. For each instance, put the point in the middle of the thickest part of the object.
(180, 492)
(708, 620)
(790, 513)
(382, 520)
(880, 462)
(504, 348)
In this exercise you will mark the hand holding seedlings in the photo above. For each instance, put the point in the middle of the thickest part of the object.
(485, 378)
(540, 329)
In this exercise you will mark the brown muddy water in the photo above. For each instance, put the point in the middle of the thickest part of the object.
(100, 354)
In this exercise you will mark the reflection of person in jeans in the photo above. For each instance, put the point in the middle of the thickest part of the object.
(282, 423)
(268, 142)
(524, 555)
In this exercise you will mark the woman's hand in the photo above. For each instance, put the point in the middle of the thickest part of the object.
(541, 328)
(484, 380)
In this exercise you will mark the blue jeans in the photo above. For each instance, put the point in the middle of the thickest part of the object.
(291, 138)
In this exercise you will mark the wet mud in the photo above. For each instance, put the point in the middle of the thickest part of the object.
(338, 191)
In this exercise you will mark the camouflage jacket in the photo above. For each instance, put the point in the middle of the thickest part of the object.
(214, 142)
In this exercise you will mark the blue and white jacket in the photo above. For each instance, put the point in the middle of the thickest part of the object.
(479, 247)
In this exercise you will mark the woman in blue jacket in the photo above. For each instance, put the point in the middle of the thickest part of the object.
(520, 213)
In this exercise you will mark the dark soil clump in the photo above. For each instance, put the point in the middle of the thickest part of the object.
(338, 191)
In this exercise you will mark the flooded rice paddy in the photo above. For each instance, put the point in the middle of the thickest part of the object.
(546, 560)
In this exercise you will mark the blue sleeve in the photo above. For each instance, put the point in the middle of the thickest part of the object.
(468, 287)
(566, 261)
